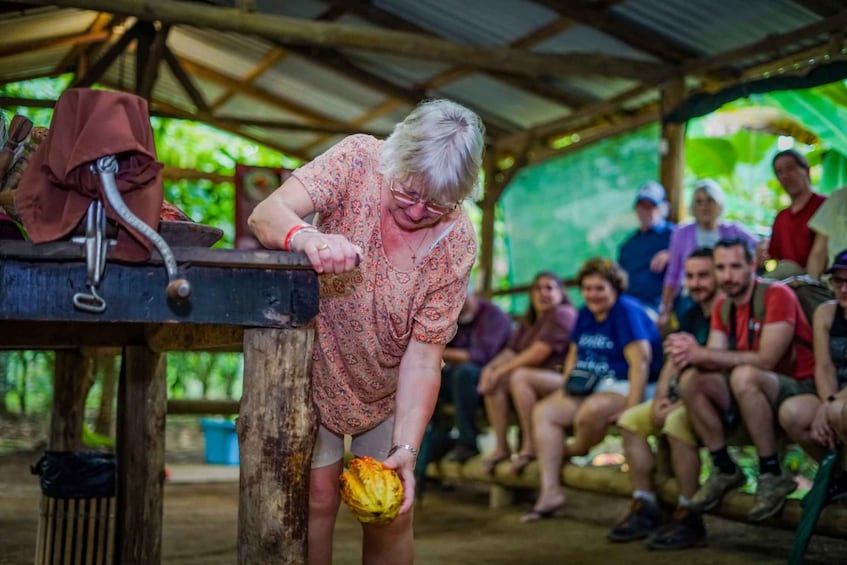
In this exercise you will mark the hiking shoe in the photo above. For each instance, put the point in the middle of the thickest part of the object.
(686, 529)
(642, 520)
(461, 453)
(770, 496)
(710, 494)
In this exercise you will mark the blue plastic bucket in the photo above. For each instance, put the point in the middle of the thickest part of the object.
(221, 441)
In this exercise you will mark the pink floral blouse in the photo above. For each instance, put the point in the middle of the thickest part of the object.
(369, 315)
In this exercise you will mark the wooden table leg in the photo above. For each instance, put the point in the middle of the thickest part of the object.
(142, 401)
(276, 427)
(71, 371)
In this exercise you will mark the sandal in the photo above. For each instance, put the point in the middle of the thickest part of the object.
(537, 514)
(490, 464)
(520, 463)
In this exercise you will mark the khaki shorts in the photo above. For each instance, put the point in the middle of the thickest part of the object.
(787, 387)
(637, 420)
(330, 446)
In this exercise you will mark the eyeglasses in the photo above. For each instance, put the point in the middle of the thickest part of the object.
(837, 282)
(405, 199)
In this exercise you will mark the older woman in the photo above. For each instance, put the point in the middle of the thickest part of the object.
(707, 206)
(395, 250)
(615, 343)
(528, 368)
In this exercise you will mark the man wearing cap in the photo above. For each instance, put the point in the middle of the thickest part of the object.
(644, 255)
(791, 239)
(830, 226)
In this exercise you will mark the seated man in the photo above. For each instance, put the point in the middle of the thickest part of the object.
(667, 415)
(752, 362)
(482, 332)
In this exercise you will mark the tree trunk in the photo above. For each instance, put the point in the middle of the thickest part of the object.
(5, 386)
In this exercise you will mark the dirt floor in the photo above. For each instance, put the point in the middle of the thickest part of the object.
(452, 527)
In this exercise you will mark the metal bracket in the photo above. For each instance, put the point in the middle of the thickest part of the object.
(96, 246)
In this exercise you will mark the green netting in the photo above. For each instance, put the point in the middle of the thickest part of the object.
(560, 212)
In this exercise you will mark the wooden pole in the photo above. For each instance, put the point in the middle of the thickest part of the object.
(672, 160)
(328, 34)
(276, 434)
(71, 371)
(142, 398)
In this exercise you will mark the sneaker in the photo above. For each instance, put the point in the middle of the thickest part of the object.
(642, 520)
(770, 496)
(461, 453)
(686, 529)
(718, 484)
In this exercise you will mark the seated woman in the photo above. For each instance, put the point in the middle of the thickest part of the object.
(707, 205)
(817, 421)
(614, 339)
(534, 354)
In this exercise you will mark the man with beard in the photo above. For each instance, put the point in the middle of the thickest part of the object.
(666, 415)
(747, 369)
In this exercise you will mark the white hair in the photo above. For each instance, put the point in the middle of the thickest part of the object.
(711, 189)
(442, 142)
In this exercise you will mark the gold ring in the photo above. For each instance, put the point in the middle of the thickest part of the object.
(323, 246)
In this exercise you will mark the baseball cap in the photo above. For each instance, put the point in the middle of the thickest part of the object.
(840, 262)
(652, 191)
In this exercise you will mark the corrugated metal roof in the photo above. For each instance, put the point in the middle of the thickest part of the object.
(343, 86)
(716, 27)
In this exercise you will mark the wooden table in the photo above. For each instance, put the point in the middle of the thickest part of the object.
(258, 301)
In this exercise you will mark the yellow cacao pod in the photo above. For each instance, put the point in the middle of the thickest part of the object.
(373, 493)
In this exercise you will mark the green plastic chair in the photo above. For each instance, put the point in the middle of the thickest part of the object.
(813, 504)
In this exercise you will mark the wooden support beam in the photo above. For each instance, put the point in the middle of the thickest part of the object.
(276, 434)
(186, 82)
(142, 402)
(330, 34)
(155, 51)
(270, 59)
(672, 155)
(96, 71)
(70, 375)
(31, 46)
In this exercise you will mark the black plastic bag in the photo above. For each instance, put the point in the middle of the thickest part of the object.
(70, 474)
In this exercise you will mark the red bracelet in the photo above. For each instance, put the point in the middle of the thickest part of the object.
(286, 243)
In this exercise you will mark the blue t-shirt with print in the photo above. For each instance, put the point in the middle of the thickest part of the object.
(600, 345)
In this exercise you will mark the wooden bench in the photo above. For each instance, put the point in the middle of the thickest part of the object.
(612, 480)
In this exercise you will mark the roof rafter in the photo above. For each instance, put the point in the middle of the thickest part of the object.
(621, 29)
(298, 31)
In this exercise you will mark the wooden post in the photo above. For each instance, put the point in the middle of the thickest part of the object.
(71, 369)
(142, 398)
(276, 433)
(672, 163)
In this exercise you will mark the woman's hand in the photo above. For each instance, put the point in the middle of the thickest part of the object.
(488, 380)
(328, 253)
(822, 432)
(403, 461)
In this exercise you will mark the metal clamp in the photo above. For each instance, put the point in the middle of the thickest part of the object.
(96, 246)
(106, 167)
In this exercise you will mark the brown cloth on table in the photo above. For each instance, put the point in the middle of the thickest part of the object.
(58, 185)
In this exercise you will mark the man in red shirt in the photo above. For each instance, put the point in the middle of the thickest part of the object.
(791, 239)
(743, 374)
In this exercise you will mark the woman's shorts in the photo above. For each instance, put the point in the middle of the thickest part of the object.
(329, 447)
